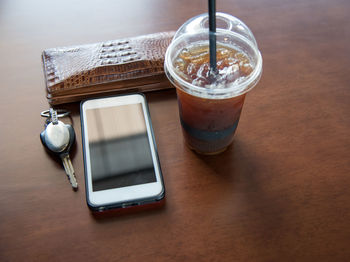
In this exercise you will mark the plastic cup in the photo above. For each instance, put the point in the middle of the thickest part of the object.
(209, 114)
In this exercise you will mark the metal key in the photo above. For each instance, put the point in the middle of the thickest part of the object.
(58, 138)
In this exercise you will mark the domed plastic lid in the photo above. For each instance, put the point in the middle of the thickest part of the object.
(230, 31)
(223, 21)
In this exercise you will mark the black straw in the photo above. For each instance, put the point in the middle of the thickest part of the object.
(212, 36)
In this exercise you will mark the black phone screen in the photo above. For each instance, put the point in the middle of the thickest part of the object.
(120, 153)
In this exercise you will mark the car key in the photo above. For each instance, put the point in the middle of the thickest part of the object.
(58, 138)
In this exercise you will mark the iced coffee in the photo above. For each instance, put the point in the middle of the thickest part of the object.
(210, 103)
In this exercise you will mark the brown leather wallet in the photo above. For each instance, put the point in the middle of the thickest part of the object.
(118, 66)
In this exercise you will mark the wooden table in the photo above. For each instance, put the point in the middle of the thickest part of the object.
(280, 193)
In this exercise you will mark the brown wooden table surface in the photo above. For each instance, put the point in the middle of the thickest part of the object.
(280, 193)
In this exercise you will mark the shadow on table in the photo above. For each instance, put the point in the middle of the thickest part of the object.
(251, 190)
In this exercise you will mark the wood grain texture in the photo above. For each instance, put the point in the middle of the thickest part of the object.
(280, 192)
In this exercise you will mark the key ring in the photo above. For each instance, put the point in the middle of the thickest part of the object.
(60, 113)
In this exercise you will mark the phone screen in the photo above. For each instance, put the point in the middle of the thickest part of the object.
(120, 152)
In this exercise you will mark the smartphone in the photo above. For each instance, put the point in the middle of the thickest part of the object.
(121, 162)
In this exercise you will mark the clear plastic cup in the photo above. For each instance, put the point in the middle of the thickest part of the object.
(210, 107)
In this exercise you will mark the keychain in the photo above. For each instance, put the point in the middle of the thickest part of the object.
(59, 138)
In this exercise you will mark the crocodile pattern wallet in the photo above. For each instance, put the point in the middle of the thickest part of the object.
(125, 65)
